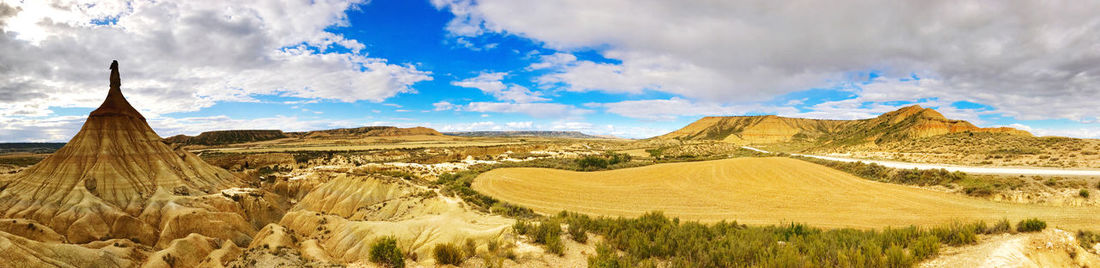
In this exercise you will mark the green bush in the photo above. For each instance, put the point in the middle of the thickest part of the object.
(1003, 226)
(470, 248)
(555, 245)
(1087, 239)
(521, 227)
(955, 234)
(1084, 193)
(384, 252)
(576, 231)
(897, 258)
(592, 162)
(447, 253)
(1031, 225)
(654, 238)
(925, 247)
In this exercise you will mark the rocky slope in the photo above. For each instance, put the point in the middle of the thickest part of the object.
(906, 123)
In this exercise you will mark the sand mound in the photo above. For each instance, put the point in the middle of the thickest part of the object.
(345, 215)
(1049, 248)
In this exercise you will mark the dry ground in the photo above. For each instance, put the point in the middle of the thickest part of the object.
(757, 191)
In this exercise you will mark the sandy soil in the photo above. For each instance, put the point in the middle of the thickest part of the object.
(757, 191)
(1049, 248)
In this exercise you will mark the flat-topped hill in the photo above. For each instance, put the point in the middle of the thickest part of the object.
(221, 137)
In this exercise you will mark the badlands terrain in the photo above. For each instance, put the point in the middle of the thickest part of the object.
(118, 195)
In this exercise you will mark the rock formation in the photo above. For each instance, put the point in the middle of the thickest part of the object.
(101, 183)
(906, 123)
(372, 131)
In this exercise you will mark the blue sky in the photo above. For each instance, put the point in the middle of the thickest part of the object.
(516, 65)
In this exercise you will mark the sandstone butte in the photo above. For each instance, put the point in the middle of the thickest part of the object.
(906, 123)
(117, 189)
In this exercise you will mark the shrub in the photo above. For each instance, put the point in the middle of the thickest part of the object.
(447, 253)
(896, 257)
(384, 252)
(576, 231)
(955, 234)
(521, 227)
(1031, 225)
(1003, 226)
(925, 247)
(470, 248)
(555, 245)
(1084, 193)
(1087, 239)
(592, 162)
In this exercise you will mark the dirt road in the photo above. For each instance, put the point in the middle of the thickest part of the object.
(967, 169)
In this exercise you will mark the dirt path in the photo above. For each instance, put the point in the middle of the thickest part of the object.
(967, 169)
(758, 191)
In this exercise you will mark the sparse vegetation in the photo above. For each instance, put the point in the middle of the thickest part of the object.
(882, 173)
(654, 237)
(601, 162)
(1087, 239)
(1084, 193)
(448, 253)
(1031, 225)
(384, 252)
(547, 233)
(459, 184)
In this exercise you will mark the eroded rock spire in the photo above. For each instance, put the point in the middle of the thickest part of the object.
(116, 103)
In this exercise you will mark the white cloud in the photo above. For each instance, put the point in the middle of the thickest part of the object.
(1040, 63)
(669, 109)
(63, 128)
(186, 55)
(443, 106)
(539, 110)
(491, 83)
(519, 125)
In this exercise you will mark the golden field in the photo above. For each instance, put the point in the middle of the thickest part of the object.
(757, 191)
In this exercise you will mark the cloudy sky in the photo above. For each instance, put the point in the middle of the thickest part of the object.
(632, 68)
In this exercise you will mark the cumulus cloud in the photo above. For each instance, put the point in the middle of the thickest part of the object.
(538, 110)
(63, 128)
(1042, 61)
(492, 84)
(1081, 132)
(186, 55)
(672, 108)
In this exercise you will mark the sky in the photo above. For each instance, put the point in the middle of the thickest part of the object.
(629, 68)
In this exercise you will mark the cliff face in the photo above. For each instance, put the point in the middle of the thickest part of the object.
(374, 131)
(906, 123)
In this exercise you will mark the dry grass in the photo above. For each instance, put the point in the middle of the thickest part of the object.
(757, 191)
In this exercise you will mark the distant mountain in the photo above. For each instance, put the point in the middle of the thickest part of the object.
(542, 134)
(221, 137)
(906, 123)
